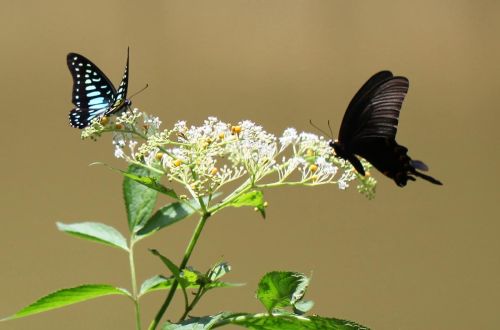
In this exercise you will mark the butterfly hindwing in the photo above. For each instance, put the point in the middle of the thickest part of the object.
(120, 97)
(93, 93)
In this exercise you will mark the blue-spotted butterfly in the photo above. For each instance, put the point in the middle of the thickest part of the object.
(369, 129)
(94, 95)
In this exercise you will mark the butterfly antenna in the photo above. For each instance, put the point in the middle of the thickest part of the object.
(319, 129)
(140, 91)
(330, 128)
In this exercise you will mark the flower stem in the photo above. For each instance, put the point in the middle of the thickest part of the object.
(134, 285)
(187, 255)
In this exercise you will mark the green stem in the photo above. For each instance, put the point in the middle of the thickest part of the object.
(243, 188)
(187, 255)
(190, 307)
(134, 285)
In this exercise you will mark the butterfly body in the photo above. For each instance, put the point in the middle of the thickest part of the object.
(369, 129)
(94, 95)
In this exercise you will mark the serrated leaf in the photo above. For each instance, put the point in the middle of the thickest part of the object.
(286, 321)
(139, 199)
(199, 323)
(253, 198)
(67, 297)
(96, 232)
(281, 289)
(155, 283)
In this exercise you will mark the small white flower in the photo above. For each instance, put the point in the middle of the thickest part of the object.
(119, 153)
(343, 185)
(325, 167)
(289, 137)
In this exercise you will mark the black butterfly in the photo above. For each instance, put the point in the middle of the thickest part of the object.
(94, 95)
(369, 130)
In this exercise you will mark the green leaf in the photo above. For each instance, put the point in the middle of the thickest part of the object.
(170, 214)
(151, 182)
(166, 216)
(148, 181)
(219, 284)
(67, 297)
(287, 321)
(139, 199)
(253, 198)
(156, 283)
(281, 289)
(190, 276)
(170, 265)
(198, 323)
(96, 232)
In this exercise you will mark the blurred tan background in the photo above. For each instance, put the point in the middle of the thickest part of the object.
(422, 257)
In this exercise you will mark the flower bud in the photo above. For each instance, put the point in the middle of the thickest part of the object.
(159, 156)
(104, 120)
(236, 129)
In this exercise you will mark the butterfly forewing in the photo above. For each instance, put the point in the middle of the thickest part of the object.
(375, 113)
(380, 116)
(350, 122)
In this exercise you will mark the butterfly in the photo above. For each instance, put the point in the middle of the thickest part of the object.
(94, 95)
(369, 128)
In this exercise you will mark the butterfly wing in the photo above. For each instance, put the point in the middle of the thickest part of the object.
(93, 92)
(350, 122)
(120, 97)
(378, 113)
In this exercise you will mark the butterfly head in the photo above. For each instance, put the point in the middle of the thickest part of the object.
(338, 148)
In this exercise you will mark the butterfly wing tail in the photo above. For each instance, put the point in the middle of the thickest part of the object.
(357, 164)
(427, 177)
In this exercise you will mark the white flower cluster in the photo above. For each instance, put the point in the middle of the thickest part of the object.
(204, 158)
